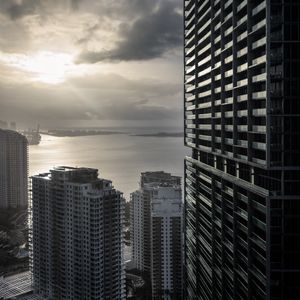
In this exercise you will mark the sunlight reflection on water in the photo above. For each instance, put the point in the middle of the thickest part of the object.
(118, 157)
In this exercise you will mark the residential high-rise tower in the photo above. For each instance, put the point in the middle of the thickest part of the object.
(156, 233)
(76, 236)
(242, 91)
(13, 169)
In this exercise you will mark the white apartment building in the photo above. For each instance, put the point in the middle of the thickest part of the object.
(157, 233)
(77, 236)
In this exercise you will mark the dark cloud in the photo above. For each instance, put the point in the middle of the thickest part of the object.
(148, 37)
(18, 9)
(139, 29)
(75, 4)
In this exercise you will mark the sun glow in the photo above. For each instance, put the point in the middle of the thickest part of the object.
(49, 67)
(45, 67)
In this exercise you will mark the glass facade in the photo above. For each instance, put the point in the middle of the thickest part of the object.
(242, 109)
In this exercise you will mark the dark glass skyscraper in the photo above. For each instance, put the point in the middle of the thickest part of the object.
(242, 108)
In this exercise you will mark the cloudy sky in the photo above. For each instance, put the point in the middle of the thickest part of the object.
(91, 62)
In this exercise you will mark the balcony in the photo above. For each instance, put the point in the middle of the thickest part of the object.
(241, 98)
(259, 146)
(228, 59)
(242, 20)
(259, 161)
(188, 4)
(259, 95)
(228, 114)
(242, 5)
(190, 50)
(228, 141)
(258, 274)
(242, 36)
(259, 8)
(242, 128)
(190, 70)
(229, 128)
(242, 113)
(189, 22)
(259, 129)
(217, 90)
(242, 143)
(190, 42)
(241, 83)
(190, 61)
(242, 67)
(217, 39)
(227, 4)
(259, 112)
(259, 78)
(259, 25)
(188, 14)
(229, 87)
(189, 88)
(190, 98)
(218, 139)
(230, 29)
(190, 79)
(261, 42)
(242, 52)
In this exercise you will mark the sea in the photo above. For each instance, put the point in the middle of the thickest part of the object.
(119, 157)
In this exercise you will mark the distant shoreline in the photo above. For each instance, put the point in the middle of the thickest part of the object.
(74, 133)
(161, 134)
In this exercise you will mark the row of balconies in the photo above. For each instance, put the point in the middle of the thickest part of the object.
(256, 112)
(191, 41)
(228, 59)
(256, 78)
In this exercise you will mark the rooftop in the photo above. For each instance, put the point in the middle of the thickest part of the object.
(159, 177)
(71, 174)
(6, 133)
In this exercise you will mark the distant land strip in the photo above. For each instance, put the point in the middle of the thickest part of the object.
(71, 133)
(74, 133)
(161, 134)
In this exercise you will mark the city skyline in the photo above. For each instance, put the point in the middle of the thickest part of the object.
(190, 111)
